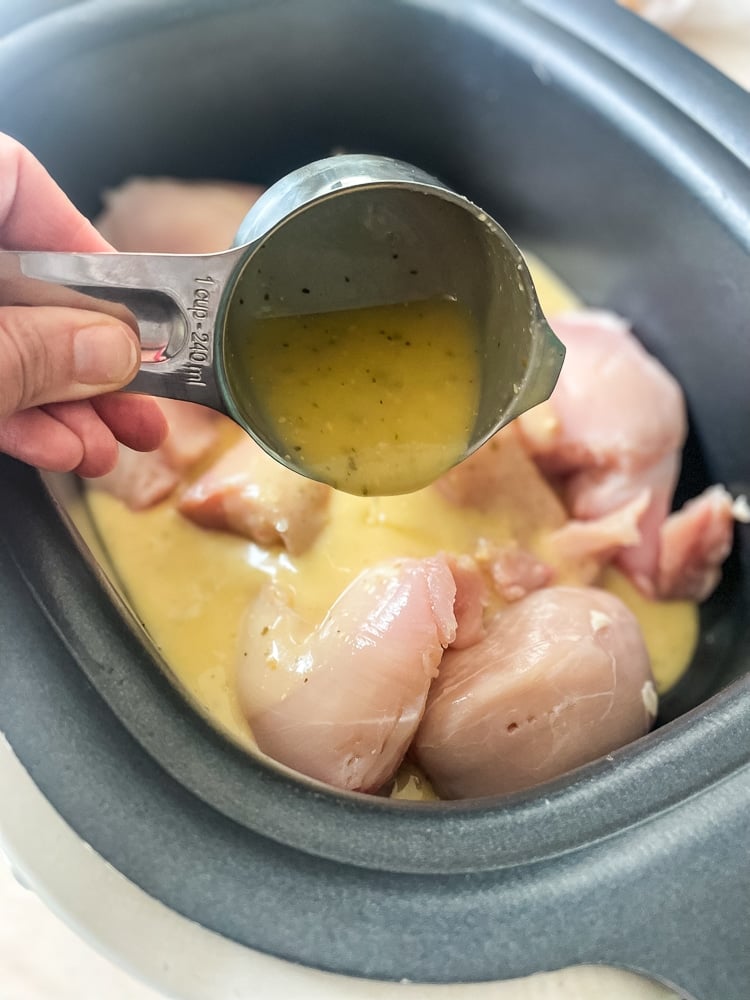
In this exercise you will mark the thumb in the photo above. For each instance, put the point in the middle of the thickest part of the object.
(49, 354)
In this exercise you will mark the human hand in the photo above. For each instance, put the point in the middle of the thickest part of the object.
(58, 366)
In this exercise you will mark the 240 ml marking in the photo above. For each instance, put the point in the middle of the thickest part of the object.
(199, 352)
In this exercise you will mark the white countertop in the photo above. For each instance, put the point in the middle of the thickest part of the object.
(42, 959)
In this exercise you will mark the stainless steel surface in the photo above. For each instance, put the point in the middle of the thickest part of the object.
(171, 299)
(345, 232)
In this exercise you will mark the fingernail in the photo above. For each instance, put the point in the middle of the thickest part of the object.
(103, 355)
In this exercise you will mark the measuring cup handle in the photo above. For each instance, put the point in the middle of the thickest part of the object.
(173, 300)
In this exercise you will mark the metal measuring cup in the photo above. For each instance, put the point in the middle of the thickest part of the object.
(345, 232)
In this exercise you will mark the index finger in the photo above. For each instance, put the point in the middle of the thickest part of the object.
(35, 214)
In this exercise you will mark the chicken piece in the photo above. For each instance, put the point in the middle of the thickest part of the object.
(193, 432)
(343, 703)
(163, 215)
(596, 493)
(584, 548)
(501, 472)
(613, 431)
(471, 600)
(139, 479)
(695, 541)
(514, 571)
(142, 480)
(249, 493)
(614, 406)
(562, 678)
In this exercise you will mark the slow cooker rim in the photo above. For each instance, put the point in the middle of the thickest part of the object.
(91, 17)
(637, 53)
(466, 925)
(459, 892)
(695, 87)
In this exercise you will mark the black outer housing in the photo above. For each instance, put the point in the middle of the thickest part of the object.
(628, 172)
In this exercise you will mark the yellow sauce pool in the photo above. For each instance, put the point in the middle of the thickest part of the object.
(372, 401)
(191, 587)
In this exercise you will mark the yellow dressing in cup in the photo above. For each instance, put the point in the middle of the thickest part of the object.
(371, 401)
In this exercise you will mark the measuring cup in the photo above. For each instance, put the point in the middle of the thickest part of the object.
(345, 232)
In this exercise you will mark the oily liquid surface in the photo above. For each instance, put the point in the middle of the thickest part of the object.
(374, 401)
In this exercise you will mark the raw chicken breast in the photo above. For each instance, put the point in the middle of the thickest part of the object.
(597, 493)
(694, 543)
(514, 571)
(584, 548)
(472, 598)
(193, 432)
(342, 704)
(249, 493)
(139, 479)
(164, 215)
(143, 479)
(613, 431)
(562, 678)
(614, 406)
(501, 473)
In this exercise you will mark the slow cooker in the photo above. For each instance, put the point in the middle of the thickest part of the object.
(622, 161)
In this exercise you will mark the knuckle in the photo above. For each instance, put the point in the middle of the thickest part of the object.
(25, 364)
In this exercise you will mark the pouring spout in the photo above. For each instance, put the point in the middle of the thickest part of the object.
(545, 365)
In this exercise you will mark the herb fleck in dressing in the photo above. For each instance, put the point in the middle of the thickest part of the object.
(373, 401)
